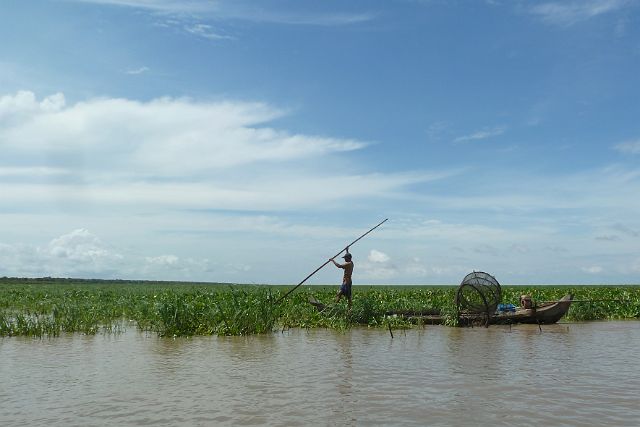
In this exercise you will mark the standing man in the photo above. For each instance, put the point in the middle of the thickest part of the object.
(345, 289)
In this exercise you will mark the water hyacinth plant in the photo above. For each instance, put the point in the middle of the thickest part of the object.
(50, 307)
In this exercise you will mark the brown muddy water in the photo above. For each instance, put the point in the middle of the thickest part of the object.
(583, 374)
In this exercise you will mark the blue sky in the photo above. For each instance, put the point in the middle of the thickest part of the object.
(247, 142)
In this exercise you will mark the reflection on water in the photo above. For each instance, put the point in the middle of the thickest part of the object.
(568, 374)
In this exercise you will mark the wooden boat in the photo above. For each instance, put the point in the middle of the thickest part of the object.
(541, 314)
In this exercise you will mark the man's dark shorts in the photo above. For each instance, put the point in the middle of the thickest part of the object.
(345, 289)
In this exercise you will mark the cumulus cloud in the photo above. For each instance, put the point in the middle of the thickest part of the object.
(377, 256)
(76, 254)
(80, 245)
(80, 253)
(24, 103)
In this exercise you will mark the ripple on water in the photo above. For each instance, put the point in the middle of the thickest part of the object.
(570, 374)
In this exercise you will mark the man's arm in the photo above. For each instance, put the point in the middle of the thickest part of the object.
(335, 263)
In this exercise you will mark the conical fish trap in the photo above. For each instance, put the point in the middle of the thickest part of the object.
(479, 293)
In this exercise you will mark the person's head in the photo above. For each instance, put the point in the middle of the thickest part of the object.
(347, 257)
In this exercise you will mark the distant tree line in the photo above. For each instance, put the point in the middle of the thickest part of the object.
(78, 281)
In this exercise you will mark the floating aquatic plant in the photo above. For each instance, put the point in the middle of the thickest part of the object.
(50, 307)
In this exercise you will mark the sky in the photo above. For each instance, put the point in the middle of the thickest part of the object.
(250, 141)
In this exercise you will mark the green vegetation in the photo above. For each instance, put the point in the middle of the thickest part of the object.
(49, 307)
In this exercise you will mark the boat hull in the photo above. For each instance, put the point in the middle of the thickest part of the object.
(543, 314)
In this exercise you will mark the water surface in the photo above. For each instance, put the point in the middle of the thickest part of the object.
(582, 374)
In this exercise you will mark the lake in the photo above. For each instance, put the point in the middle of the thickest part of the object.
(570, 374)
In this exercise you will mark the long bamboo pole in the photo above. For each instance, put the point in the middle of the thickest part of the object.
(327, 262)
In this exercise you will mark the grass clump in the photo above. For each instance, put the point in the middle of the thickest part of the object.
(234, 312)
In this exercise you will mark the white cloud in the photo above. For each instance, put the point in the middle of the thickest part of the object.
(481, 134)
(379, 268)
(377, 272)
(207, 19)
(163, 6)
(567, 13)
(322, 19)
(270, 195)
(76, 254)
(80, 245)
(523, 249)
(163, 260)
(176, 153)
(377, 256)
(608, 238)
(25, 102)
(136, 71)
(81, 253)
(236, 10)
(594, 269)
(189, 177)
(205, 31)
(53, 103)
(17, 171)
(160, 135)
(629, 147)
